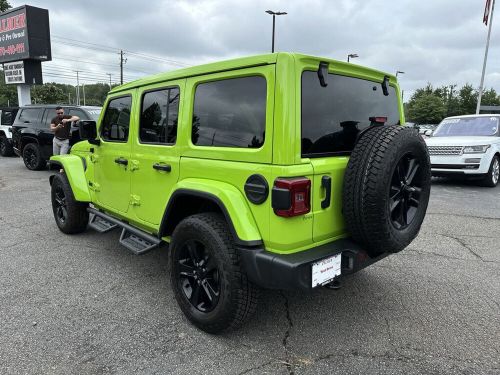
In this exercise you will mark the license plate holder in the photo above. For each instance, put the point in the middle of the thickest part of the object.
(325, 270)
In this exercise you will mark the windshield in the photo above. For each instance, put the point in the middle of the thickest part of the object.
(94, 113)
(333, 116)
(467, 126)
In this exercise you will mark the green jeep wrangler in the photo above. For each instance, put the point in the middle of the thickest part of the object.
(281, 171)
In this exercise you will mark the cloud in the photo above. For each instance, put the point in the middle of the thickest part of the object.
(441, 42)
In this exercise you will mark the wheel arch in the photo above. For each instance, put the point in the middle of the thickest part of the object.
(26, 139)
(189, 199)
(74, 168)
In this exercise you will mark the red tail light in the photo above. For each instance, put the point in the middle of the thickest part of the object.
(291, 196)
(378, 119)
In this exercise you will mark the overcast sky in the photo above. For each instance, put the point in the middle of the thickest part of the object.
(439, 41)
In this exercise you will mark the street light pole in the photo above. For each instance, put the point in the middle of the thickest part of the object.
(399, 72)
(77, 87)
(351, 56)
(274, 14)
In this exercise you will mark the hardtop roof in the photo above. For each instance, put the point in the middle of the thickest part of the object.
(238, 63)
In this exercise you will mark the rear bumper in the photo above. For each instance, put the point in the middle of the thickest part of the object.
(294, 271)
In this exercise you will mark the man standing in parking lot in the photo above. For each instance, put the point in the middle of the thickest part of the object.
(61, 126)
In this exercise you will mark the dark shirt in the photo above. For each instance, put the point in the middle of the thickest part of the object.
(64, 131)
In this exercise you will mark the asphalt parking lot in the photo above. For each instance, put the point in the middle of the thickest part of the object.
(84, 305)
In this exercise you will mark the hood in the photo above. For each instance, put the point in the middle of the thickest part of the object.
(461, 141)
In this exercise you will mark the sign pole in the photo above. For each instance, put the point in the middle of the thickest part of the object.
(24, 94)
(485, 59)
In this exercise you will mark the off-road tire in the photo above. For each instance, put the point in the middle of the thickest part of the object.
(370, 192)
(5, 146)
(32, 157)
(491, 180)
(76, 217)
(237, 297)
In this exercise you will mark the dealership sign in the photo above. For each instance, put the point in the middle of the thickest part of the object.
(25, 34)
(14, 72)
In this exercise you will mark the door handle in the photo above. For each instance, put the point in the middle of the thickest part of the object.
(121, 161)
(162, 167)
(326, 182)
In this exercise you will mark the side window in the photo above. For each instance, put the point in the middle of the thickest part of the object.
(48, 115)
(230, 113)
(159, 116)
(8, 117)
(116, 121)
(30, 115)
(79, 113)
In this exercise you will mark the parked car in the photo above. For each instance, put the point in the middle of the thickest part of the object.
(31, 134)
(7, 115)
(242, 166)
(467, 146)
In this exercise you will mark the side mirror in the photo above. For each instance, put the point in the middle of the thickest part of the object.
(88, 132)
(428, 133)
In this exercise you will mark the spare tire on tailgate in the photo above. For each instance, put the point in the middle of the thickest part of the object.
(386, 188)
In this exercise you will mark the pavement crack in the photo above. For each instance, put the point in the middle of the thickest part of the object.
(256, 367)
(288, 361)
(465, 245)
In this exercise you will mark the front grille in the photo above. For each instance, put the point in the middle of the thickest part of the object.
(445, 150)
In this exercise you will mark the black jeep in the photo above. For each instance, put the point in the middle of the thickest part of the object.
(31, 134)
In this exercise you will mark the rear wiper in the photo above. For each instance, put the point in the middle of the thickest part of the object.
(385, 86)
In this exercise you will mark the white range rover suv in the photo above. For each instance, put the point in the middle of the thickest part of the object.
(467, 146)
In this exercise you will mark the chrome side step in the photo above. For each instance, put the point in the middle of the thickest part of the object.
(134, 239)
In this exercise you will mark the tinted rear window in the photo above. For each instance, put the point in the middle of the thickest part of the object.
(8, 117)
(230, 113)
(30, 115)
(333, 116)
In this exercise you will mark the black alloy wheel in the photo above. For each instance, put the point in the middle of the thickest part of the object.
(3, 145)
(60, 205)
(405, 191)
(198, 276)
(70, 215)
(206, 274)
(30, 158)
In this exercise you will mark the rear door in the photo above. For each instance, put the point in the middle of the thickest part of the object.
(155, 163)
(331, 119)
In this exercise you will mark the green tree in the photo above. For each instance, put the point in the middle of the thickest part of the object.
(8, 93)
(490, 97)
(468, 99)
(4, 5)
(426, 108)
(47, 94)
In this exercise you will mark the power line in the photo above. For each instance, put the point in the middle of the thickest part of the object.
(88, 45)
(101, 64)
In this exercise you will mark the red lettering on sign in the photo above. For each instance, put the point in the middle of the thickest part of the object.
(13, 23)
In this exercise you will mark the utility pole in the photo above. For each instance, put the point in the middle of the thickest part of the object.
(69, 98)
(122, 61)
(485, 58)
(83, 87)
(77, 87)
(109, 74)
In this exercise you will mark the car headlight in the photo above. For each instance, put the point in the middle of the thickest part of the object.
(476, 149)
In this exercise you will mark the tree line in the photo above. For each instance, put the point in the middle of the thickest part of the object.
(430, 105)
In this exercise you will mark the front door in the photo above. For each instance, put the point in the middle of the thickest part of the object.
(155, 162)
(111, 157)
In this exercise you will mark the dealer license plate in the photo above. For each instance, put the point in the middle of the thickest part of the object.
(326, 270)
